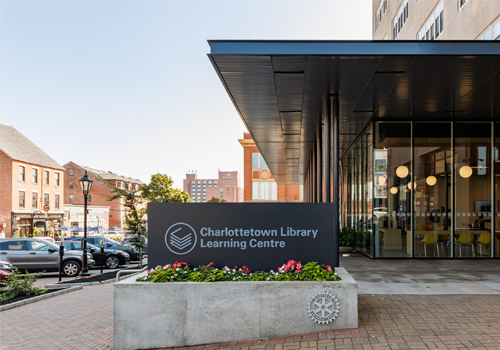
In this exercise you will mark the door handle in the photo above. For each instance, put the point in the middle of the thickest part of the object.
(33, 253)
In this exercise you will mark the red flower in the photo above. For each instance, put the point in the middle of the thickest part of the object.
(299, 265)
(328, 268)
(245, 269)
(211, 264)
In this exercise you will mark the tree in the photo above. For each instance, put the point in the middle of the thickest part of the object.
(216, 200)
(135, 213)
(160, 190)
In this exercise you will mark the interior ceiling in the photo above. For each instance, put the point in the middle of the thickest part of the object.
(279, 95)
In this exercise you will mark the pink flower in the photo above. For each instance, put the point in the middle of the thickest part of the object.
(299, 265)
(328, 268)
(211, 264)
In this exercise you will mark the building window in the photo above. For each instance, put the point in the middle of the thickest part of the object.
(209, 183)
(56, 179)
(400, 19)
(34, 200)
(71, 184)
(70, 198)
(89, 198)
(21, 173)
(22, 198)
(34, 175)
(46, 201)
(264, 191)
(434, 26)
(118, 184)
(221, 193)
(70, 172)
(380, 13)
(496, 31)
(46, 177)
(57, 201)
(215, 183)
(258, 161)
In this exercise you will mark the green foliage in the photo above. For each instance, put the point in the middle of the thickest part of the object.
(216, 200)
(160, 190)
(346, 237)
(19, 285)
(36, 232)
(292, 271)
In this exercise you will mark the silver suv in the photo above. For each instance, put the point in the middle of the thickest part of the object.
(35, 254)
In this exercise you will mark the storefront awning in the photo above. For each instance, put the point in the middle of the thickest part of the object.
(277, 88)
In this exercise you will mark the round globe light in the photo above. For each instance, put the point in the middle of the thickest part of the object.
(381, 180)
(394, 190)
(414, 185)
(431, 180)
(402, 171)
(465, 171)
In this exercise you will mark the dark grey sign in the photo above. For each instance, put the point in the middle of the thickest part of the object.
(261, 236)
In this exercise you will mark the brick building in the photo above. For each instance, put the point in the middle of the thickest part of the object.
(259, 182)
(98, 197)
(227, 186)
(31, 187)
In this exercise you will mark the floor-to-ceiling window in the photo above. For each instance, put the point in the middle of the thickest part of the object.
(473, 205)
(432, 193)
(497, 188)
(392, 161)
(424, 190)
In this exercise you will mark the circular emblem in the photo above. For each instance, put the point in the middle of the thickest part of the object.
(323, 307)
(180, 238)
(264, 175)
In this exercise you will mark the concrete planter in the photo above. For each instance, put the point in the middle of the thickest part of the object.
(160, 315)
(345, 250)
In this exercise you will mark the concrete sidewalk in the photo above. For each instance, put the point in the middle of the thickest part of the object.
(419, 276)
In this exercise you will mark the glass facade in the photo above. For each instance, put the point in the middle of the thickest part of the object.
(423, 189)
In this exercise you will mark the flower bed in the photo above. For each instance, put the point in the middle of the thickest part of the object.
(291, 271)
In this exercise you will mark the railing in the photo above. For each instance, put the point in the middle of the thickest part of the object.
(128, 271)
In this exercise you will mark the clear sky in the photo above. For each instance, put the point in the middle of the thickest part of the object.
(126, 86)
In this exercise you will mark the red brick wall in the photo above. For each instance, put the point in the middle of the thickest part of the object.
(285, 192)
(99, 192)
(5, 194)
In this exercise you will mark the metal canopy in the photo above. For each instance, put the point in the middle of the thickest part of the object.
(278, 86)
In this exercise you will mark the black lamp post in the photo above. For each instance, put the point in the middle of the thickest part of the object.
(86, 185)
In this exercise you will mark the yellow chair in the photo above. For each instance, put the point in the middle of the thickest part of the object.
(430, 238)
(484, 239)
(466, 238)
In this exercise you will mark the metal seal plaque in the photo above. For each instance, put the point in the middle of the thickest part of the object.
(323, 307)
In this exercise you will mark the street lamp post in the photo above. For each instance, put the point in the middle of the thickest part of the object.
(86, 185)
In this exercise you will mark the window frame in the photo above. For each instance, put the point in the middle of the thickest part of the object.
(22, 174)
(23, 198)
(46, 180)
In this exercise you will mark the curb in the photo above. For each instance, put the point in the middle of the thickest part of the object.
(40, 297)
(84, 284)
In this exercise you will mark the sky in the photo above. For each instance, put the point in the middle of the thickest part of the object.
(127, 86)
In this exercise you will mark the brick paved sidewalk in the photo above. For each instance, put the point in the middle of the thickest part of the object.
(83, 320)
(78, 320)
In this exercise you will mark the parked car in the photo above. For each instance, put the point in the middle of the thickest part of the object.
(34, 254)
(145, 242)
(109, 243)
(6, 270)
(113, 258)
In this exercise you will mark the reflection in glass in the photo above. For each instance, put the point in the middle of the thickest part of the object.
(497, 188)
(473, 208)
(432, 196)
(391, 200)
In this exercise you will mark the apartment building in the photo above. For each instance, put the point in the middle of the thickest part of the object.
(436, 20)
(31, 187)
(226, 186)
(102, 212)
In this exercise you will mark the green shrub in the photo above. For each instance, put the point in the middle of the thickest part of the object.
(19, 285)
